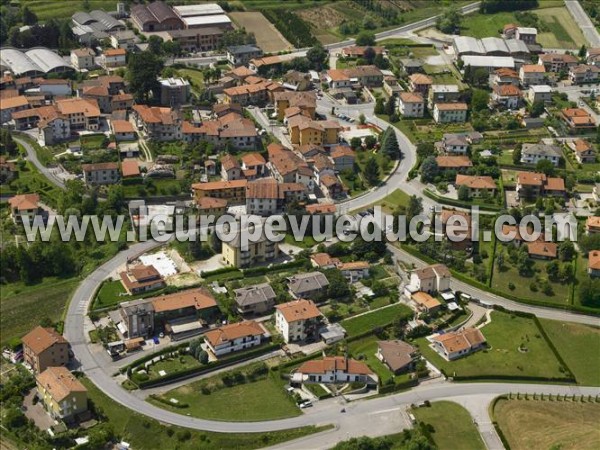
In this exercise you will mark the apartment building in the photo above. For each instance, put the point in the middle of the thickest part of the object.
(101, 173)
(450, 112)
(298, 320)
(411, 104)
(43, 348)
(158, 123)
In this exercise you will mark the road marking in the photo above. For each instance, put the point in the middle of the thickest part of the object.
(384, 411)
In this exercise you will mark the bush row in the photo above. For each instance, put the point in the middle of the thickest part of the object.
(389, 388)
(257, 271)
(458, 203)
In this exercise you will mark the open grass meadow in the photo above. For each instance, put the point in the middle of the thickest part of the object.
(528, 424)
(23, 307)
(505, 335)
(376, 319)
(394, 200)
(562, 32)
(139, 430)
(267, 36)
(452, 426)
(579, 346)
(248, 398)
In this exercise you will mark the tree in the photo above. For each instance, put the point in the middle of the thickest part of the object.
(463, 193)
(365, 39)
(380, 107)
(389, 144)
(362, 119)
(371, 171)
(369, 55)
(155, 44)
(370, 141)
(414, 207)
(536, 109)
(429, 169)
(479, 100)
(582, 51)
(317, 56)
(589, 292)
(356, 143)
(516, 156)
(449, 20)
(29, 17)
(338, 285)
(545, 166)
(381, 62)
(203, 357)
(553, 269)
(566, 251)
(390, 106)
(144, 70)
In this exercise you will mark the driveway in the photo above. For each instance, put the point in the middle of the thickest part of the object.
(32, 157)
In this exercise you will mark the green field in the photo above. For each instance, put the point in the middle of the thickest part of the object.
(23, 307)
(563, 32)
(452, 424)
(139, 430)
(577, 344)
(248, 399)
(392, 201)
(529, 424)
(172, 365)
(484, 25)
(376, 319)
(504, 335)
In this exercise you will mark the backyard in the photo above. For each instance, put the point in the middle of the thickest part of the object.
(172, 365)
(452, 426)
(248, 398)
(367, 348)
(516, 349)
(376, 319)
(550, 424)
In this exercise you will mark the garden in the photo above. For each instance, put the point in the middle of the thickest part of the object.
(517, 348)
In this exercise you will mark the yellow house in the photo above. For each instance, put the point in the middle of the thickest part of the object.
(255, 252)
(305, 101)
(304, 131)
(62, 394)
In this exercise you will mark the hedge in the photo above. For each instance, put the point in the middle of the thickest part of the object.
(459, 203)
(387, 389)
(219, 271)
(256, 271)
(167, 402)
(512, 378)
(496, 426)
(182, 374)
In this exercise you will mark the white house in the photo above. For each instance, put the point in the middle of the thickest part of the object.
(456, 344)
(334, 369)
(411, 104)
(297, 320)
(235, 337)
(539, 93)
(532, 153)
(354, 271)
(435, 278)
(450, 112)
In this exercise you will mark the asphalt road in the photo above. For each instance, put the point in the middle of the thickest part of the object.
(584, 22)
(32, 157)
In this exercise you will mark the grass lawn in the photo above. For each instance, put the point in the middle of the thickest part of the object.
(316, 389)
(452, 424)
(249, 401)
(504, 335)
(307, 242)
(563, 32)
(195, 78)
(92, 141)
(528, 424)
(501, 280)
(379, 318)
(23, 307)
(392, 201)
(577, 344)
(139, 430)
(172, 365)
(367, 347)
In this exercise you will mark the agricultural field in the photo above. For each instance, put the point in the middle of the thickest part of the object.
(452, 424)
(549, 424)
(23, 307)
(516, 349)
(576, 343)
(267, 36)
(562, 32)
(49, 9)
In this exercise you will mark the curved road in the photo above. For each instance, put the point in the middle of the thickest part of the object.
(32, 156)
